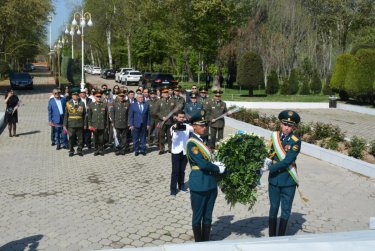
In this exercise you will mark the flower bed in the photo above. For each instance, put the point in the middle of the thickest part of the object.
(324, 135)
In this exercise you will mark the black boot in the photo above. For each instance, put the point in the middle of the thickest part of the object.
(197, 230)
(282, 227)
(206, 231)
(272, 222)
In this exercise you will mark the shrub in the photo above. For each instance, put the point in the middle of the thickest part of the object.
(250, 72)
(357, 147)
(272, 83)
(372, 148)
(293, 83)
(284, 87)
(316, 83)
(305, 90)
(340, 72)
(333, 143)
(303, 128)
(306, 71)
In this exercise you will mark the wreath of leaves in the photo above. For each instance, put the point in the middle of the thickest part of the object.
(243, 156)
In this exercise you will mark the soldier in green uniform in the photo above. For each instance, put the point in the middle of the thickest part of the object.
(74, 122)
(203, 98)
(215, 108)
(153, 131)
(165, 106)
(202, 180)
(120, 117)
(108, 132)
(177, 97)
(97, 121)
(282, 179)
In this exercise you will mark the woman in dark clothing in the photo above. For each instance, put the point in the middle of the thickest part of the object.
(12, 102)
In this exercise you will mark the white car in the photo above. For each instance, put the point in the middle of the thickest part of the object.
(131, 77)
(120, 72)
(96, 70)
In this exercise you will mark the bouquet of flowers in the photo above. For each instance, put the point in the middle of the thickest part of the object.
(243, 155)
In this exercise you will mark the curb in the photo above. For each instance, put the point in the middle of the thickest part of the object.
(327, 155)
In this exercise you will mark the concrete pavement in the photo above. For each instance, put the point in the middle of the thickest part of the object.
(53, 202)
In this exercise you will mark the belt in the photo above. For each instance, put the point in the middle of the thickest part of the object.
(195, 168)
(75, 117)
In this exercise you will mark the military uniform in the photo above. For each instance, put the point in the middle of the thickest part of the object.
(214, 110)
(282, 181)
(192, 108)
(108, 132)
(153, 131)
(120, 117)
(97, 121)
(74, 122)
(165, 106)
(202, 183)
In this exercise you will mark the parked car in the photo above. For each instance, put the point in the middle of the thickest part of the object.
(121, 71)
(159, 80)
(146, 79)
(28, 67)
(130, 77)
(21, 80)
(108, 73)
(96, 70)
(86, 68)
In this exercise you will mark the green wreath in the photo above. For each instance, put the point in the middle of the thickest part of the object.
(243, 155)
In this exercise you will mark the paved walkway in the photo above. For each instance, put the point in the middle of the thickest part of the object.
(352, 123)
(52, 202)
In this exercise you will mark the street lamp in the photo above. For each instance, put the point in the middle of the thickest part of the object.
(58, 47)
(50, 32)
(83, 17)
(72, 29)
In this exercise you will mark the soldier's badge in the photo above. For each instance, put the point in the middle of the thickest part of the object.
(295, 147)
(195, 150)
(80, 109)
(287, 147)
(290, 113)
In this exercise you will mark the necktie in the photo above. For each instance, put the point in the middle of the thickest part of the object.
(141, 107)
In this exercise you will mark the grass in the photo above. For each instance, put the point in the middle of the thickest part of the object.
(234, 94)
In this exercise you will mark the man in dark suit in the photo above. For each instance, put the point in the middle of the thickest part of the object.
(86, 132)
(56, 109)
(139, 121)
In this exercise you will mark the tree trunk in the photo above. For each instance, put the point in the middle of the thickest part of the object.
(92, 56)
(187, 67)
(129, 50)
(109, 38)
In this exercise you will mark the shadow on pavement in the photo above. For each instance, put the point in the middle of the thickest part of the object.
(28, 133)
(31, 242)
(254, 226)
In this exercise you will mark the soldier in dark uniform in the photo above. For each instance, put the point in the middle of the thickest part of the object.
(120, 117)
(202, 180)
(193, 107)
(97, 121)
(177, 97)
(86, 132)
(165, 106)
(282, 179)
(215, 108)
(153, 131)
(74, 122)
(108, 132)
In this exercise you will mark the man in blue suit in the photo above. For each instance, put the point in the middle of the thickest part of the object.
(56, 110)
(139, 121)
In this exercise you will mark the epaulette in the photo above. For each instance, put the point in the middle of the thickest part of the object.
(294, 138)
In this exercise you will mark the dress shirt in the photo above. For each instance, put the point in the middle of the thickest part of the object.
(59, 106)
(179, 139)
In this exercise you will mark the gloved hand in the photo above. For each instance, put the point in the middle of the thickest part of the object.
(266, 164)
(220, 165)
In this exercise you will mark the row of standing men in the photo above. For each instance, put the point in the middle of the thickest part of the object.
(127, 117)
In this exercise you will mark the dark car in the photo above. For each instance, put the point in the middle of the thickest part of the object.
(108, 73)
(21, 80)
(159, 80)
(28, 67)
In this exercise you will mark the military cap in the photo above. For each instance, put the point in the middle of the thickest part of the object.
(121, 94)
(202, 89)
(178, 88)
(193, 95)
(152, 91)
(217, 92)
(164, 90)
(75, 91)
(97, 93)
(107, 92)
(199, 118)
(290, 117)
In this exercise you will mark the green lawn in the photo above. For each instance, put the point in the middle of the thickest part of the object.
(235, 93)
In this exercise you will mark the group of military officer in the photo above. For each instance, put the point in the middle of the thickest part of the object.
(108, 119)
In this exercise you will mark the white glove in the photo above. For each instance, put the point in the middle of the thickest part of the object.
(220, 165)
(267, 163)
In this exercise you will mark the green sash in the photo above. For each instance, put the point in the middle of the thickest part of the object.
(280, 152)
(203, 149)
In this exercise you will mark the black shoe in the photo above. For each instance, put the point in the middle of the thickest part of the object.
(80, 154)
(282, 227)
(272, 222)
(136, 153)
(58, 147)
(65, 147)
(161, 152)
(169, 151)
(71, 154)
(96, 153)
(117, 153)
(101, 153)
(197, 230)
(144, 153)
(206, 231)
(53, 144)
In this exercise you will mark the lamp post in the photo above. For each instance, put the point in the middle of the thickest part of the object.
(58, 47)
(82, 17)
(72, 29)
(49, 18)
